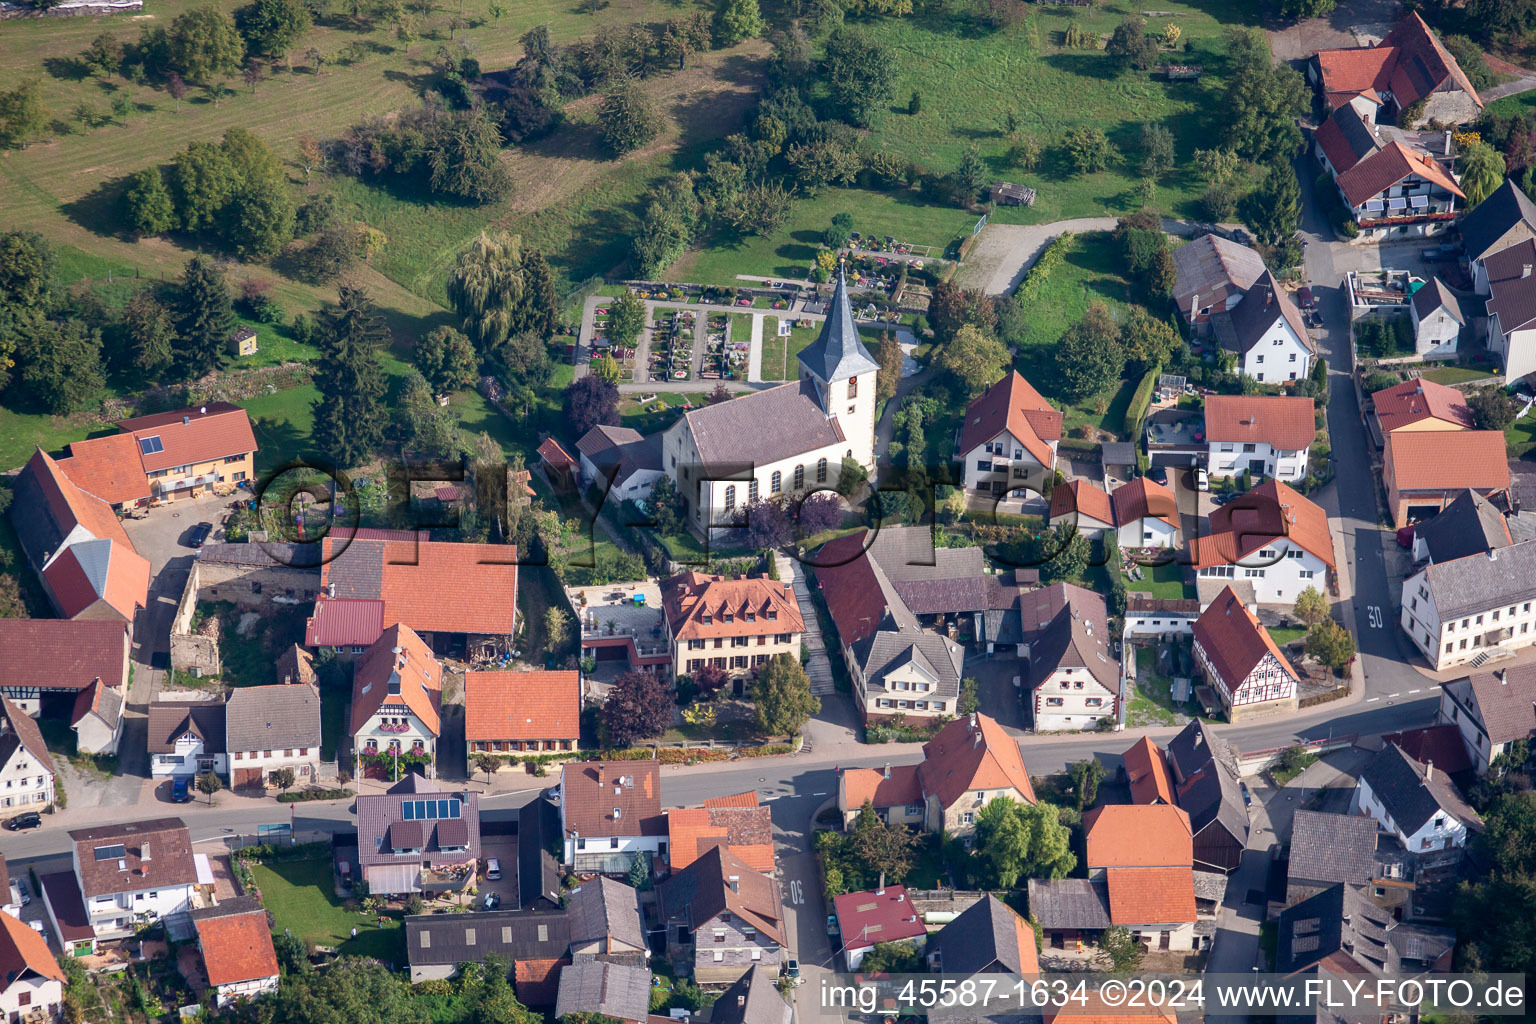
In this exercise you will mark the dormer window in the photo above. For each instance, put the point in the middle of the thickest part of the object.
(708, 618)
(728, 617)
(751, 616)
(773, 613)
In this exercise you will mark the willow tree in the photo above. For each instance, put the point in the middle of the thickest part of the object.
(486, 288)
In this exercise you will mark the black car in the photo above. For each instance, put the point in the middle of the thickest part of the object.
(21, 822)
(1222, 499)
(199, 534)
(1158, 474)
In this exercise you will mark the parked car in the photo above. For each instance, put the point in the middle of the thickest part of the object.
(199, 534)
(832, 928)
(492, 900)
(792, 970)
(23, 895)
(1247, 796)
(1222, 499)
(1158, 474)
(493, 869)
(181, 790)
(1202, 479)
(24, 821)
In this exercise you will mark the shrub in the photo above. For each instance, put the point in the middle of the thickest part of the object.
(1141, 400)
(306, 795)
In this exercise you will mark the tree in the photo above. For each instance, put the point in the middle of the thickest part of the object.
(202, 182)
(1122, 949)
(737, 21)
(639, 877)
(851, 477)
(260, 217)
(272, 27)
(253, 75)
(974, 359)
(1063, 554)
(606, 368)
(890, 357)
(1089, 357)
(891, 958)
(206, 316)
(486, 288)
(1163, 276)
(763, 209)
(285, 778)
(1273, 211)
(818, 513)
(350, 413)
(1130, 44)
(104, 56)
(203, 43)
(1262, 100)
(859, 72)
(626, 318)
(881, 846)
(177, 88)
(488, 763)
(150, 333)
(208, 783)
(969, 176)
(1016, 840)
(310, 154)
(557, 628)
(147, 205)
(1492, 408)
(60, 364)
(591, 401)
(970, 696)
(446, 358)
(783, 698)
(21, 113)
(1217, 165)
(1147, 339)
(627, 118)
(1086, 776)
(352, 990)
(539, 310)
(1157, 150)
(667, 226)
(1311, 607)
(639, 706)
(717, 394)
(1331, 644)
(1482, 172)
(1303, 9)
(1088, 149)
(766, 524)
(463, 156)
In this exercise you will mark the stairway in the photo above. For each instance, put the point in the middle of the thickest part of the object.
(818, 667)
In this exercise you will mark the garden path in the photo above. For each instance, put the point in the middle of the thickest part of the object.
(755, 353)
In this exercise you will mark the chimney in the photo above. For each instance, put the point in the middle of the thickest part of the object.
(1194, 306)
(1449, 145)
(887, 772)
(1503, 677)
(1493, 555)
(1525, 270)
(880, 889)
(741, 1001)
(1429, 771)
(188, 419)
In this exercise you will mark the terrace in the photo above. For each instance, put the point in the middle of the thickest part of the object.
(1379, 292)
(621, 617)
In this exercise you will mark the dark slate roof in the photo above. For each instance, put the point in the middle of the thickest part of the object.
(516, 934)
(1207, 789)
(837, 353)
(1469, 525)
(752, 1000)
(1434, 295)
(266, 553)
(594, 986)
(930, 580)
(606, 909)
(538, 875)
(1476, 583)
(278, 716)
(1506, 702)
(986, 933)
(170, 720)
(1265, 303)
(1332, 847)
(1490, 219)
(1077, 636)
(1315, 928)
(382, 827)
(762, 427)
(1070, 903)
(1411, 793)
(936, 655)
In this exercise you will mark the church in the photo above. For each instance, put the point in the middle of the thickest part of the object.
(783, 440)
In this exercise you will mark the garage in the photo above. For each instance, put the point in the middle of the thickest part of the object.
(246, 777)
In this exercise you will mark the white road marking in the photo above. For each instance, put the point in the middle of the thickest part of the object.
(823, 794)
(1413, 691)
(1394, 694)
(1368, 700)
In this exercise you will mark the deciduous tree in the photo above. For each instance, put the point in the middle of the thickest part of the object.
(463, 156)
(273, 27)
(22, 116)
(202, 43)
(60, 364)
(1482, 172)
(628, 118)
(147, 205)
(626, 318)
(1311, 606)
(1016, 840)
(890, 358)
(639, 706)
(1262, 101)
(486, 288)
(882, 846)
(1331, 644)
(782, 696)
(590, 401)
(859, 72)
(974, 359)
(737, 21)
(1088, 149)
(1089, 357)
(447, 359)
(1130, 44)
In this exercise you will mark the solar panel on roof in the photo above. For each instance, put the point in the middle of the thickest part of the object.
(117, 852)
(150, 445)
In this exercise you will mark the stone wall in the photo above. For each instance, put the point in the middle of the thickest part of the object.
(193, 652)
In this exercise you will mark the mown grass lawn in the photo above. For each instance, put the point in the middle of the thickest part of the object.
(333, 722)
(1455, 374)
(1161, 581)
(301, 897)
(780, 355)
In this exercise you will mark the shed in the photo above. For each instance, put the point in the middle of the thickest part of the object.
(243, 342)
(1006, 193)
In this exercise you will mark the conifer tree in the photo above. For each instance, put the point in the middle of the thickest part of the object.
(350, 415)
(206, 316)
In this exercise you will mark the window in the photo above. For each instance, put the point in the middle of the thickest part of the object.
(1449, 647)
(752, 490)
(1248, 448)
(776, 482)
(821, 471)
(719, 955)
(967, 818)
(1258, 358)
(853, 387)
(719, 934)
(1259, 376)
(730, 497)
(799, 478)
(1054, 702)
(1293, 354)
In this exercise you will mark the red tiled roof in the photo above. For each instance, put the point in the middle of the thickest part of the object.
(846, 575)
(1412, 39)
(214, 431)
(748, 799)
(1151, 895)
(27, 733)
(544, 705)
(1281, 421)
(1443, 460)
(1380, 170)
(591, 790)
(556, 456)
(72, 506)
(62, 653)
(1441, 744)
(1265, 514)
(964, 756)
(126, 577)
(1330, 138)
(861, 785)
(344, 622)
(1413, 400)
(743, 606)
(1012, 405)
(1094, 1011)
(1138, 835)
(236, 948)
(420, 679)
(22, 949)
(537, 981)
(108, 467)
(1141, 498)
(1356, 69)
(869, 918)
(435, 586)
(1083, 497)
(1234, 640)
(1147, 771)
(747, 832)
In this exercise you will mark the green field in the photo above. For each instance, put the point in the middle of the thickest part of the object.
(301, 897)
(1161, 581)
(779, 354)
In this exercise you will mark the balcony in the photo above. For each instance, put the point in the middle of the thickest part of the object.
(447, 876)
(1365, 220)
(183, 483)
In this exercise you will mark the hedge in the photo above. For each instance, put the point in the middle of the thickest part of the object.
(1086, 449)
(1049, 260)
(306, 795)
(1141, 401)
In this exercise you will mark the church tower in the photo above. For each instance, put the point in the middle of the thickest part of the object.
(842, 373)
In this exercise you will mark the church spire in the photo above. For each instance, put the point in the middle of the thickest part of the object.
(838, 353)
